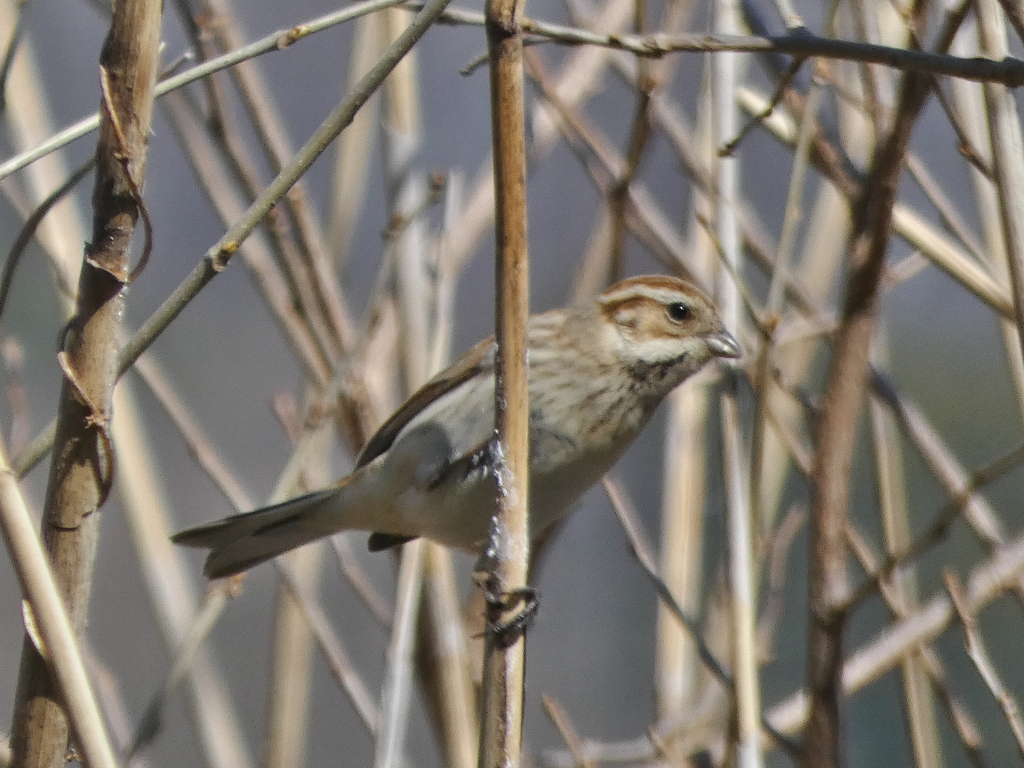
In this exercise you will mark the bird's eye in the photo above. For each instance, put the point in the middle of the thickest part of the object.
(677, 311)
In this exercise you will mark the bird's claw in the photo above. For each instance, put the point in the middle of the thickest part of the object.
(507, 631)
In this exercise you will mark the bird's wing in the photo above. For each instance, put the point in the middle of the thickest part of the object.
(476, 360)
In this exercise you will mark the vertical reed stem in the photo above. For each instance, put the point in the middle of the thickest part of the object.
(505, 658)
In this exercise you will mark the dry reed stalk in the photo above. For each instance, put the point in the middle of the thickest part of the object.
(895, 641)
(895, 512)
(185, 655)
(309, 611)
(110, 698)
(822, 249)
(51, 631)
(446, 662)
(289, 693)
(351, 172)
(501, 738)
(963, 489)
(768, 464)
(907, 223)
(947, 209)
(353, 572)
(203, 452)
(925, 660)
(224, 130)
(948, 470)
(405, 187)
(342, 669)
(970, 103)
(1007, 143)
(720, 627)
(676, 666)
(63, 231)
(399, 673)
(229, 202)
(442, 651)
(742, 575)
(310, 268)
(640, 134)
(658, 230)
(219, 255)
(340, 118)
(742, 588)
(646, 218)
(797, 43)
(28, 122)
(60, 232)
(81, 471)
(580, 77)
(170, 591)
(406, 41)
(681, 683)
(407, 196)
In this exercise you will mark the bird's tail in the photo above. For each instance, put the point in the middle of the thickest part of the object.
(240, 542)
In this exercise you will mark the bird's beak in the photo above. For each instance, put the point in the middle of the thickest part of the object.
(724, 344)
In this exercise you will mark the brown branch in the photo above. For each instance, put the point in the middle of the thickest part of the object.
(81, 471)
(844, 392)
(800, 43)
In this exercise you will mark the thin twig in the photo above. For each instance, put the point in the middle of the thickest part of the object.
(28, 229)
(354, 574)
(982, 662)
(644, 556)
(275, 41)
(800, 43)
(572, 740)
(963, 722)
(217, 258)
(939, 525)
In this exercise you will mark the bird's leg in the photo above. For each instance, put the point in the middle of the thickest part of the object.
(504, 631)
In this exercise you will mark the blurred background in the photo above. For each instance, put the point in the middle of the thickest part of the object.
(600, 646)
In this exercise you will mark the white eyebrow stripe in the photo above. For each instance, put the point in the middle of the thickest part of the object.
(660, 295)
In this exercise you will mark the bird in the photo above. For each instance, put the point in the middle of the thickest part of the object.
(596, 374)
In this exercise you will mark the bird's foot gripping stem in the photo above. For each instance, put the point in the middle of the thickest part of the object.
(503, 628)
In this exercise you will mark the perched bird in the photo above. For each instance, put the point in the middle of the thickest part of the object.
(596, 374)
